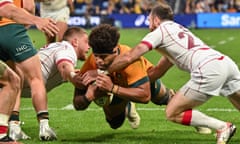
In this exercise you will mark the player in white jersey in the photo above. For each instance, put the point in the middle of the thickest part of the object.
(58, 61)
(59, 10)
(9, 80)
(212, 73)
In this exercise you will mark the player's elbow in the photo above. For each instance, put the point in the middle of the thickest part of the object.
(146, 99)
(145, 93)
(79, 103)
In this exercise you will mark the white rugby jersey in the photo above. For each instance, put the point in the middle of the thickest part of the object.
(180, 46)
(2, 1)
(50, 56)
(51, 5)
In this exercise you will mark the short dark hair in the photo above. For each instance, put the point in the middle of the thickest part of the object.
(71, 31)
(163, 11)
(104, 38)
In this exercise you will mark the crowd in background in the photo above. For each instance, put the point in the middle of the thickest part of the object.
(105, 7)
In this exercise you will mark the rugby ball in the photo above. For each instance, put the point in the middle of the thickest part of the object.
(104, 100)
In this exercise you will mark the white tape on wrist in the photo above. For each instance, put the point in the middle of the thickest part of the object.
(102, 72)
(72, 74)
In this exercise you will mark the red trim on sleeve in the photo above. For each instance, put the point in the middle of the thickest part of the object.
(62, 60)
(3, 3)
(3, 129)
(187, 116)
(147, 44)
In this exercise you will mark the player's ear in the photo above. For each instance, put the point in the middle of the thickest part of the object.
(156, 20)
(74, 42)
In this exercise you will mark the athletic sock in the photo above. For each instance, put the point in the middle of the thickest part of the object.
(197, 118)
(42, 115)
(14, 116)
(3, 125)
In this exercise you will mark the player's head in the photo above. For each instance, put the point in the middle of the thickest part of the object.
(79, 39)
(104, 42)
(160, 12)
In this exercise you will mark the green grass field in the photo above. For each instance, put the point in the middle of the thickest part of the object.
(89, 127)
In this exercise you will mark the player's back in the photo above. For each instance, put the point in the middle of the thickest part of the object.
(180, 45)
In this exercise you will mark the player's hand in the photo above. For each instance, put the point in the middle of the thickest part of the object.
(94, 92)
(104, 82)
(89, 77)
(47, 26)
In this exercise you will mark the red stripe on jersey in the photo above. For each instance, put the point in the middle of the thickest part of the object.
(62, 60)
(3, 3)
(148, 44)
(221, 58)
(204, 48)
(187, 116)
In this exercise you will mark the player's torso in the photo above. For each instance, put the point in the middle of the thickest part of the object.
(181, 46)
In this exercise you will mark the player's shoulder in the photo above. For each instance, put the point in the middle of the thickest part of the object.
(123, 48)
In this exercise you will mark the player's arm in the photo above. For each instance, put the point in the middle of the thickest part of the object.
(83, 97)
(67, 70)
(127, 58)
(140, 94)
(17, 14)
(160, 69)
(29, 5)
(21, 16)
(80, 101)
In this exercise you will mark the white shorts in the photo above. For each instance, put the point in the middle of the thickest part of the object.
(215, 78)
(57, 15)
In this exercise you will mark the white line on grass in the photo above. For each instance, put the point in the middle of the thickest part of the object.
(70, 107)
(222, 42)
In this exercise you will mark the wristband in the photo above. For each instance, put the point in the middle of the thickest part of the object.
(115, 89)
(72, 74)
(112, 88)
(102, 72)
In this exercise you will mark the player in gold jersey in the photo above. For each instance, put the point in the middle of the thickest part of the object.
(128, 85)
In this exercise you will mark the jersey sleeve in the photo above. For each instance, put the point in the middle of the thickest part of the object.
(66, 54)
(136, 73)
(3, 2)
(153, 39)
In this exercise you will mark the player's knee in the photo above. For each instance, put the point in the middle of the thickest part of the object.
(14, 81)
(117, 121)
(170, 116)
